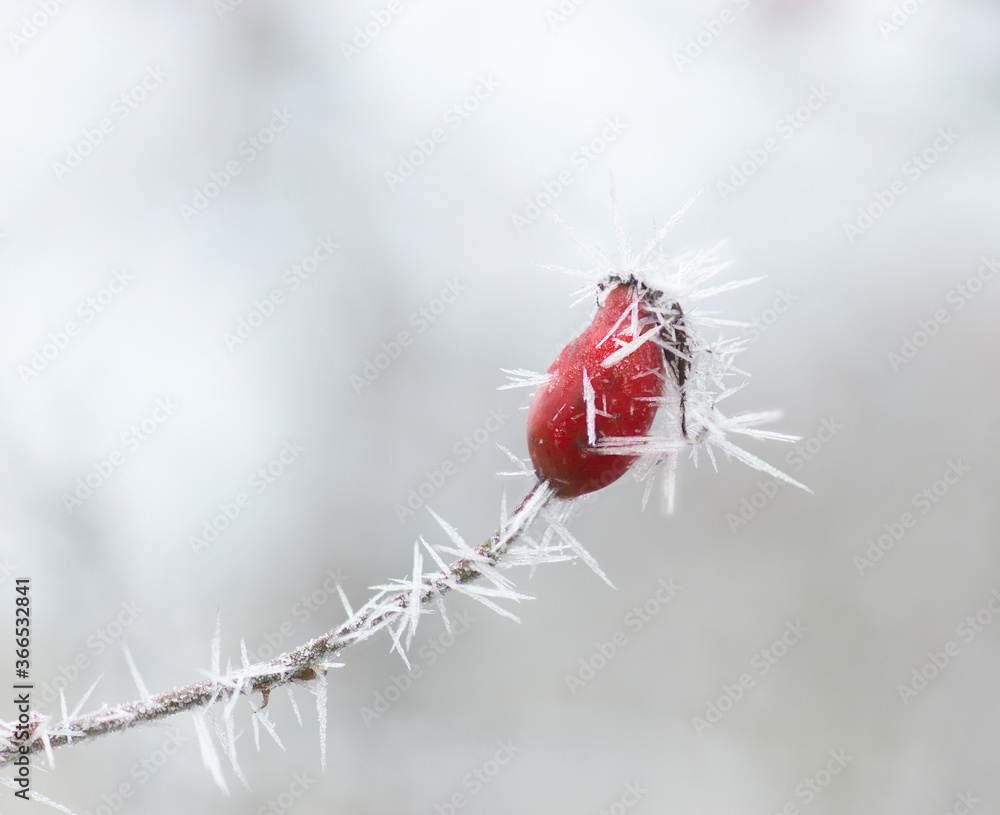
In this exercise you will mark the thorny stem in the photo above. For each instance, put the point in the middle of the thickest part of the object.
(298, 665)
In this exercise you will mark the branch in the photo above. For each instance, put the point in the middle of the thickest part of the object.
(310, 660)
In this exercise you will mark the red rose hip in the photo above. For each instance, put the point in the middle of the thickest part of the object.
(560, 437)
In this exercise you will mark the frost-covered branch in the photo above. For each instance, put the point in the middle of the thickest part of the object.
(641, 385)
(397, 607)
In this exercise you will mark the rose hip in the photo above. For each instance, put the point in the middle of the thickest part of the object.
(624, 398)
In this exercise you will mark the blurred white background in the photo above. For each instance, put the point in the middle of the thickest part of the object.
(118, 116)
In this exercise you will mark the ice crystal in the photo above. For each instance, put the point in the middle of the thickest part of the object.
(34, 795)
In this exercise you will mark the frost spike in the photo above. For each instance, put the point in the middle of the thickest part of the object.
(295, 705)
(217, 645)
(576, 546)
(84, 698)
(134, 670)
(625, 350)
(209, 756)
(588, 398)
(343, 600)
(321, 712)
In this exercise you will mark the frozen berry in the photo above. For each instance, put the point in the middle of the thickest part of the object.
(563, 429)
